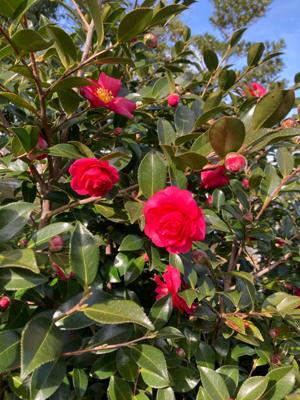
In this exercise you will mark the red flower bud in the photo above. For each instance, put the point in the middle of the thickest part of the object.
(280, 243)
(150, 40)
(4, 302)
(209, 200)
(199, 256)
(22, 242)
(245, 183)
(173, 99)
(276, 359)
(146, 257)
(56, 244)
(180, 352)
(118, 131)
(246, 325)
(41, 145)
(59, 272)
(235, 162)
(274, 332)
(289, 123)
(248, 217)
(297, 292)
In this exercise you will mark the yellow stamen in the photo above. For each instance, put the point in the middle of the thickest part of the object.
(105, 95)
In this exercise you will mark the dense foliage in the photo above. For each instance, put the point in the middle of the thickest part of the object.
(149, 218)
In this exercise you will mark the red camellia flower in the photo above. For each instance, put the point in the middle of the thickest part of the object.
(256, 90)
(213, 176)
(4, 302)
(245, 183)
(103, 93)
(174, 220)
(173, 99)
(171, 285)
(93, 177)
(41, 145)
(235, 162)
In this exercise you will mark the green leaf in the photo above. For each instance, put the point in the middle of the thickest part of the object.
(118, 312)
(152, 174)
(13, 218)
(230, 374)
(18, 101)
(270, 182)
(43, 235)
(215, 222)
(227, 134)
(131, 243)
(134, 210)
(281, 383)
(272, 108)
(70, 82)
(153, 363)
(236, 37)
(118, 389)
(211, 59)
(112, 212)
(166, 133)
(161, 88)
(46, 379)
(184, 379)
(209, 114)
(41, 343)
(17, 279)
(213, 384)
(65, 150)
(29, 40)
(205, 356)
(127, 368)
(285, 161)
(19, 258)
(165, 394)
(253, 388)
(105, 366)
(9, 350)
(255, 53)
(8, 7)
(96, 13)
(69, 100)
(161, 311)
(191, 160)
(27, 136)
(134, 23)
(84, 255)
(184, 120)
(163, 14)
(63, 44)
(227, 79)
(80, 382)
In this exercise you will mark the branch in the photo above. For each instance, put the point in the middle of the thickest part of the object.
(81, 16)
(272, 266)
(109, 346)
(232, 263)
(88, 42)
(275, 193)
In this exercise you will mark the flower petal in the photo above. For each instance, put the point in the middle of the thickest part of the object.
(109, 83)
(122, 106)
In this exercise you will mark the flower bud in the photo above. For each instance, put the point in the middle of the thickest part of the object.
(235, 162)
(59, 272)
(289, 123)
(297, 292)
(274, 333)
(246, 325)
(245, 183)
(173, 99)
(146, 257)
(248, 217)
(209, 200)
(118, 131)
(41, 145)
(4, 302)
(56, 244)
(180, 352)
(276, 359)
(280, 243)
(211, 121)
(22, 242)
(199, 256)
(150, 40)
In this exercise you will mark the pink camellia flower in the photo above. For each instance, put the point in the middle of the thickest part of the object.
(174, 220)
(171, 285)
(56, 243)
(93, 177)
(104, 93)
(245, 183)
(173, 99)
(4, 302)
(235, 162)
(256, 90)
(213, 176)
(35, 153)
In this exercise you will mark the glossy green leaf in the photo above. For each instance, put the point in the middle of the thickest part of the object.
(131, 243)
(230, 374)
(43, 235)
(134, 210)
(19, 258)
(84, 255)
(70, 82)
(161, 311)
(152, 174)
(69, 100)
(17, 279)
(213, 384)
(253, 388)
(105, 366)
(184, 120)
(165, 394)
(184, 379)
(272, 108)
(161, 88)
(13, 218)
(285, 161)
(166, 133)
(46, 379)
(118, 389)
(65, 150)
(96, 13)
(127, 368)
(9, 350)
(270, 181)
(205, 356)
(255, 53)
(63, 44)
(281, 383)
(41, 343)
(18, 101)
(118, 312)
(227, 135)
(211, 59)
(162, 15)
(8, 7)
(29, 40)
(227, 79)
(134, 23)
(236, 36)
(80, 382)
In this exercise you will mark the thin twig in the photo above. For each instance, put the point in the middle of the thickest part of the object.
(272, 266)
(232, 263)
(81, 16)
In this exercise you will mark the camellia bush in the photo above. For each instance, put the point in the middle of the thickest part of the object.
(149, 218)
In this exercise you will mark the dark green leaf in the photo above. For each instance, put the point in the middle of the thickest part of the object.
(213, 384)
(131, 243)
(13, 218)
(285, 161)
(80, 382)
(161, 311)
(18, 279)
(118, 389)
(29, 40)
(65, 150)
(43, 235)
(134, 210)
(253, 388)
(227, 135)
(211, 59)
(184, 120)
(19, 258)
(96, 13)
(165, 394)
(166, 133)
(9, 350)
(152, 174)
(255, 53)
(47, 379)
(134, 23)
(163, 14)
(18, 100)
(63, 44)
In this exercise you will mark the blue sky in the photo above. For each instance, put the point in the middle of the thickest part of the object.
(281, 21)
